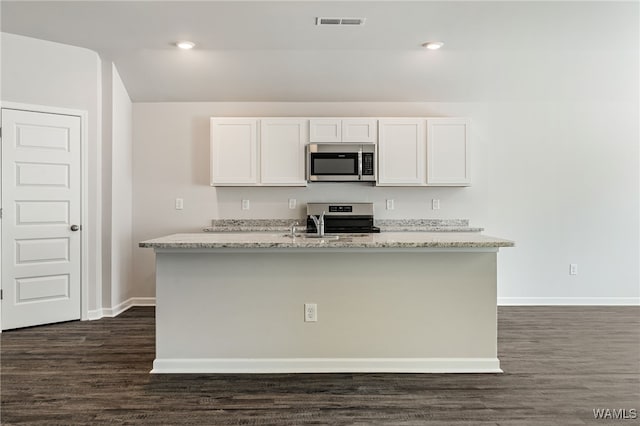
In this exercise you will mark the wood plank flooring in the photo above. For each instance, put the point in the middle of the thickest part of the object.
(560, 363)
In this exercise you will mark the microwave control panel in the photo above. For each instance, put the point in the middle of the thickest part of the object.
(367, 163)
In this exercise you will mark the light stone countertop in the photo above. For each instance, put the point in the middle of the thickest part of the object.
(385, 225)
(244, 240)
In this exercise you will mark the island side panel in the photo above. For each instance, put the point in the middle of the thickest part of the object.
(382, 305)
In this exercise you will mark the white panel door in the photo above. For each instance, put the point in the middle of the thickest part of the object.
(448, 152)
(234, 152)
(282, 152)
(41, 211)
(401, 152)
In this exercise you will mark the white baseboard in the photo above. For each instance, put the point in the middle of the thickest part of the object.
(502, 301)
(120, 308)
(568, 301)
(326, 365)
(95, 314)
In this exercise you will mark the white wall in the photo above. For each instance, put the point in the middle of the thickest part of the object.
(107, 153)
(121, 193)
(564, 184)
(116, 191)
(560, 178)
(558, 174)
(51, 74)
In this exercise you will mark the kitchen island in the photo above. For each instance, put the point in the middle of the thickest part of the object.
(389, 302)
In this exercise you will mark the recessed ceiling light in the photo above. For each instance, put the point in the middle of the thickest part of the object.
(186, 45)
(433, 45)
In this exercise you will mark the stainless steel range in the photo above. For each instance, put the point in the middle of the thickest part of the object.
(356, 218)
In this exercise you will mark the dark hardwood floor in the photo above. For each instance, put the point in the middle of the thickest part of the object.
(560, 364)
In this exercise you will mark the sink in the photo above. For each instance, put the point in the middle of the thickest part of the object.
(313, 237)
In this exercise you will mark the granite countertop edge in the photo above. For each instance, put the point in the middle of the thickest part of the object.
(335, 244)
(221, 229)
(382, 241)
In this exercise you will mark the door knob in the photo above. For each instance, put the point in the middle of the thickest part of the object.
(75, 228)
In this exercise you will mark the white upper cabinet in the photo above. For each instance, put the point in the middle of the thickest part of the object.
(448, 152)
(325, 130)
(361, 130)
(258, 152)
(282, 151)
(234, 151)
(423, 152)
(401, 152)
(271, 151)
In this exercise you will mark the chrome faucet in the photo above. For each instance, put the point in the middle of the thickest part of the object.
(319, 222)
(292, 228)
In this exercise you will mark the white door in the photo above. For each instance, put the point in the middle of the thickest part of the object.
(282, 150)
(41, 213)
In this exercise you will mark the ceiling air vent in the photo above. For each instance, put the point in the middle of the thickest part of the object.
(340, 21)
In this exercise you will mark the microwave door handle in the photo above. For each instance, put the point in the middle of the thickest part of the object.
(360, 164)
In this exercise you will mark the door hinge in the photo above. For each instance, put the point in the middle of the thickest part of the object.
(0, 213)
(1, 295)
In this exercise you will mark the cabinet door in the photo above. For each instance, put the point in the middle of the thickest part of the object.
(448, 152)
(234, 145)
(325, 130)
(401, 152)
(282, 152)
(359, 130)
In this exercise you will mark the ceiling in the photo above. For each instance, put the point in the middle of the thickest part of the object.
(273, 51)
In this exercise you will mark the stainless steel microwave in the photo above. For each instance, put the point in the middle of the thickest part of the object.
(341, 162)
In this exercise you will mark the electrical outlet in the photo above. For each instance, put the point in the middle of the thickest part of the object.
(179, 203)
(310, 312)
(573, 269)
(292, 203)
(435, 204)
(390, 205)
(245, 205)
